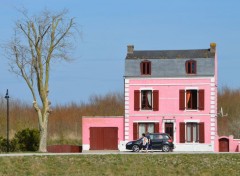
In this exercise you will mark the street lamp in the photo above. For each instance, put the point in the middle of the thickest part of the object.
(7, 97)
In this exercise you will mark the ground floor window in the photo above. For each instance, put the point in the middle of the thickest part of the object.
(140, 128)
(191, 132)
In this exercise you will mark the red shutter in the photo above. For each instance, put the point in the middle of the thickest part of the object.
(155, 100)
(156, 128)
(201, 133)
(136, 100)
(150, 68)
(181, 99)
(201, 99)
(182, 132)
(141, 67)
(135, 131)
(186, 66)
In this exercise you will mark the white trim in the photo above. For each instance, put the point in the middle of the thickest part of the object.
(212, 98)
(212, 111)
(163, 115)
(191, 88)
(195, 147)
(213, 79)
(145, 121)
(171, 78)
(212, 88)
(127, 89)
(186, 84)
(126, 107)
(126, 124)
(191, 121)
(126, 128)
(86, 147)
(212, 93)
(212, 133)
(212, 124)
(126, 94)
(174, 127)
(212, 128)
(126, 81)
(126, 137)
(126, 98)
(126, 133)
(212, 106)
(126, 115)
(212, 103)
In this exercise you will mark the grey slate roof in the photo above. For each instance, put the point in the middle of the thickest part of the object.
(170, 54)
(170, 63)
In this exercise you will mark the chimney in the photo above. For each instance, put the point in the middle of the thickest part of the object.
(130, 49)
(212, 47)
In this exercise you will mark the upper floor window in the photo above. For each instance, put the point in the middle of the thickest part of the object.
(191, 99)
(146, 100)
(191, 67)
(145, 67)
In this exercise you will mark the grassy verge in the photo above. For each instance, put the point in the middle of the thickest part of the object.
(142, 164)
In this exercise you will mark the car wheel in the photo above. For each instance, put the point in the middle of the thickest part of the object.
(165, 148)
(135, 148)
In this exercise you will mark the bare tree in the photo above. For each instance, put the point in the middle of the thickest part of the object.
(38, 40)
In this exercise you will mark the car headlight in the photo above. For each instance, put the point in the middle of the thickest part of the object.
(129, 143)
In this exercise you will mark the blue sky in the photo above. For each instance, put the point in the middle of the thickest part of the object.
(107, 28)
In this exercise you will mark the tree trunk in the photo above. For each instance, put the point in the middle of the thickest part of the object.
(43, 137)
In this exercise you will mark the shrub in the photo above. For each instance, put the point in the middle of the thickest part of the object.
(26, 140)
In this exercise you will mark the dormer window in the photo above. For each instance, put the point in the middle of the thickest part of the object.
(145, 67)
(191, 67)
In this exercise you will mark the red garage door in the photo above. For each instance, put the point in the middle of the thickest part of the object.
(103, 138)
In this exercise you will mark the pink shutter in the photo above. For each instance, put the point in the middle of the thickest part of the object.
(181, 99)
(155, 100)
(201, 99)
(182, 132)
(136, 100)
(201, 133)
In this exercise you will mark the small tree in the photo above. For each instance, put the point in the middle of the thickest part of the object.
(37, 41)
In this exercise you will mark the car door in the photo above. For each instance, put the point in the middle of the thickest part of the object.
(157, 140)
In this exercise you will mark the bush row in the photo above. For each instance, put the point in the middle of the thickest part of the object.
(25, 140)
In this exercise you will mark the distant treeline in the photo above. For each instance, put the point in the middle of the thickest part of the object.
(65, 125)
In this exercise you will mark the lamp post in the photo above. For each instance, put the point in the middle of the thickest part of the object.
(7, 97)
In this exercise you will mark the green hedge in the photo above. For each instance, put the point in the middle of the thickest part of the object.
(25, 140)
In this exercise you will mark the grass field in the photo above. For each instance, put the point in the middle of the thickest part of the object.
(142, 164)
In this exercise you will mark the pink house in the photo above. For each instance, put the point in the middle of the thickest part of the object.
(171, 91)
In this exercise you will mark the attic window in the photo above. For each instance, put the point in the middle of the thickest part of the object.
(145, 67)
(191, 67)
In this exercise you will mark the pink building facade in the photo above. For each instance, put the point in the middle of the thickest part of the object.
(166, 91)
(174, 92)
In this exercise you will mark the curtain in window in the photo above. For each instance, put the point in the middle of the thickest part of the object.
(149, 99)
(142, 129)
(188, 132)
(195, 130)
(188, 96)
(151, 128)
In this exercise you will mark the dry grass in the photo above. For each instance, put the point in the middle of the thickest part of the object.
(65, 125)
(137, 164)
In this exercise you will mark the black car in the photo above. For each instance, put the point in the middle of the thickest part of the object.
(159, 141)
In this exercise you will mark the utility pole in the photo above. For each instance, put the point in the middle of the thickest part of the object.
(7, 97)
